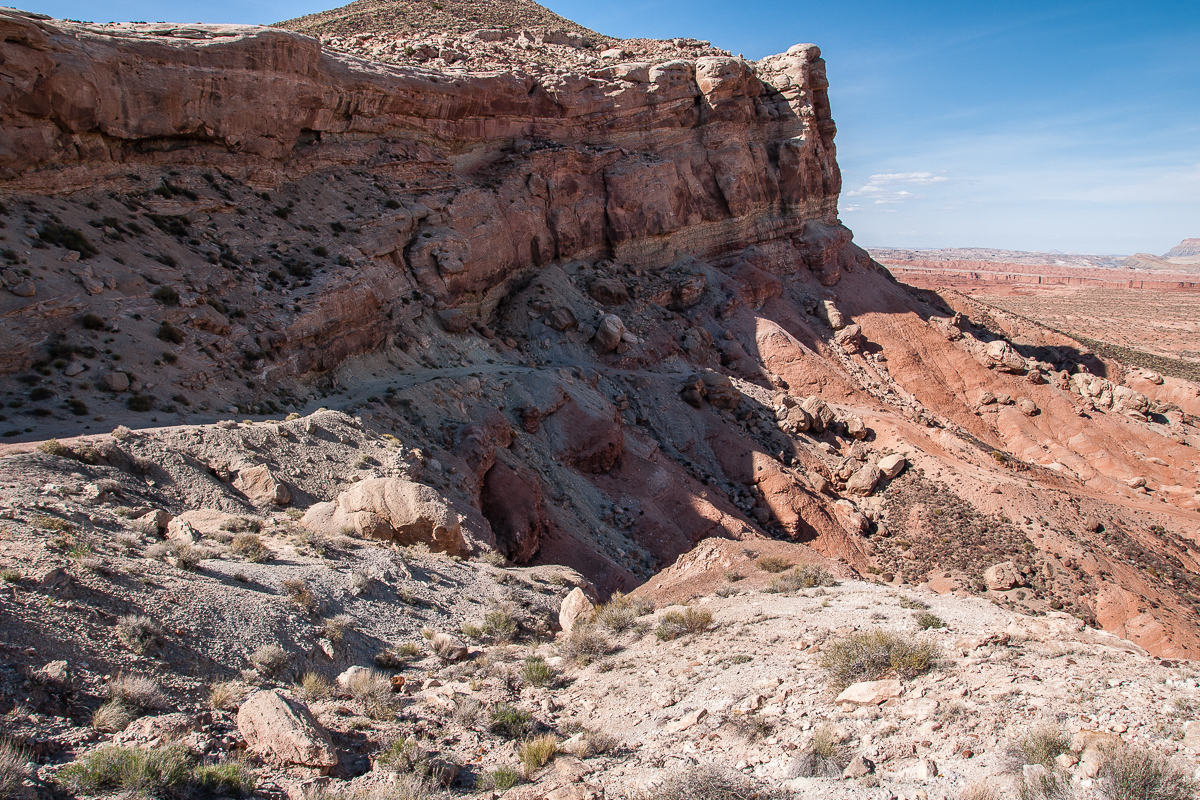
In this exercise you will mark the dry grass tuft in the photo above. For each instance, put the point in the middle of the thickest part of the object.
(300, 594)
(1136, 774)
(269, 660)
(708, 783)
(871, 655)
(773, 563)
(374, 690)
(584, 644)
(535, 752)
(674, 624)
(250, 547)
(225, 696)
(12, 767)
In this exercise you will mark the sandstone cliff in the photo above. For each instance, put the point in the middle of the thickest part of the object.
(603, 313)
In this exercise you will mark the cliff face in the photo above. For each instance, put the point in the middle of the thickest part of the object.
(602, 312)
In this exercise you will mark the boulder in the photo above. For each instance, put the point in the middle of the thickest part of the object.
(683, 294)
(575, 606)
(454, 320)
(1027, 407)
(561, 319)
(987, 399)
(608, 333)
(864, 481)
(870, 693)
(892, 465)
(859, 767)
(609, 291)
(260, 485)
(276, 724)
(850, 517)
(719, 390)
(1001, 355)
(392, 509)
(115, 381)
(351, 675)
(796, 420)
(151, 523)
(24, 289)
(855, 427)
(851, 338)
(1001, 577)
(820, 412)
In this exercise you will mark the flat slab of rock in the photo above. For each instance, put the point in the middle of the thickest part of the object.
(1001, 577)
(275, 724)
(870, 693)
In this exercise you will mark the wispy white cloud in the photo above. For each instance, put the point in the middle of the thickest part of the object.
(884, 188)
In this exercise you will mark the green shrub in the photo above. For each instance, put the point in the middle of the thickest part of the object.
(536, 672)
(510, 722)
(499, 624)
(926, 621)
(500, 779)
(913, 603)
(166, 295)
(231, 779)
(145, 772)
(70, 238)
(875, 654)
(140, 402)
(674, 624)
(405, 756)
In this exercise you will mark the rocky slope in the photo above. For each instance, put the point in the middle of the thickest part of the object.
(584, 316)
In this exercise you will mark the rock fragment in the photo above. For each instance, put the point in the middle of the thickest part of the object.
(276, 724)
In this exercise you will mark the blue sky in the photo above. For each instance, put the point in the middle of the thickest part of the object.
(1070, 126)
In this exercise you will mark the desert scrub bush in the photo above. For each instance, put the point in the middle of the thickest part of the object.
(374, 690)
(1040, 745)
(269, 660)
(12, 767)
(499, 779)
(250, 547)
(707, 783)
(493, 557)
(926, 620)
(674, 624)
(981, 790)
(1135, 774)
(334, 628)
(772, 563)
(225, 695)
(805, 576)
(584, 644)
(404, 756)
(66, 237)
(233, 778)
(299, 593)
(53, 447)
(47, 523)
(10, 575)
(467, 711)
(913, 603)
(360, 583)
(536, 672)
(621, 612)
(875, 654)
(165, 772)
(138, 632)
(510, 721)
(535, 752)
(500, 625)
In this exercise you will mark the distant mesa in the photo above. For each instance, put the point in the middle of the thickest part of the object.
(1185, 249)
